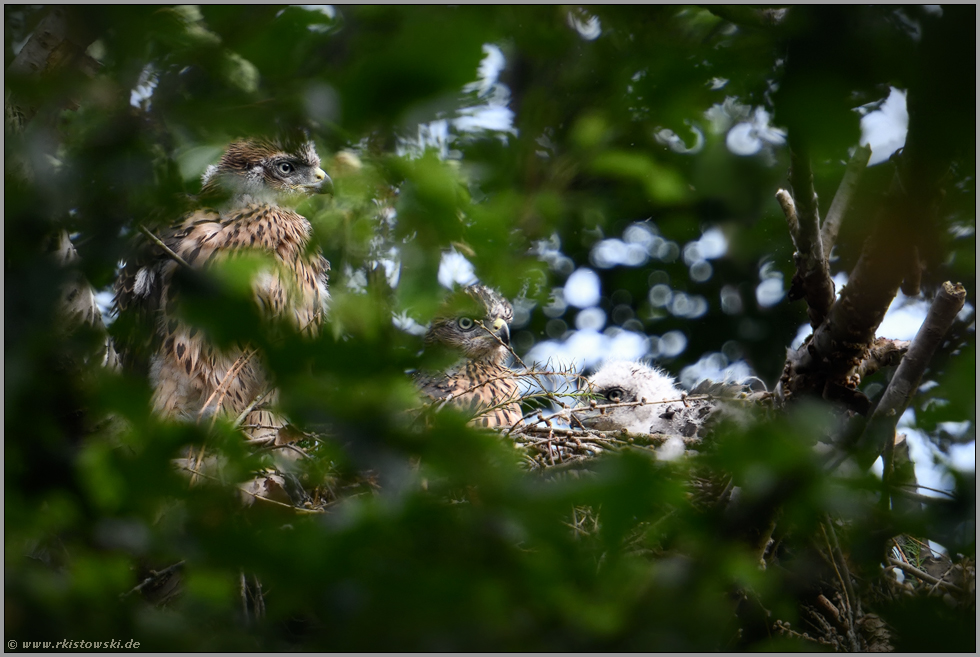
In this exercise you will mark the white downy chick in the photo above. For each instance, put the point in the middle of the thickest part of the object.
(622, 381)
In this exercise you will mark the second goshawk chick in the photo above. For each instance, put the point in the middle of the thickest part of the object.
(475, 325)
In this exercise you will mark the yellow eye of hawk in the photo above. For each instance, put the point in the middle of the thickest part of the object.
(465, 323)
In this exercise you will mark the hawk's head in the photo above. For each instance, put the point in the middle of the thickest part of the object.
(667, 409)
(622, 382)
(262, 171)
(474, 322)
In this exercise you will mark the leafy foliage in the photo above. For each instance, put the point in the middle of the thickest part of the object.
(438, 538)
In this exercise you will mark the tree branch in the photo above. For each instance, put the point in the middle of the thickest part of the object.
(845, 192)
(156, 240)
(924, 576)
(883, 353)
(801, 180)
(841, 343)
(155, 575)
(903, 385)
(812, 279)
(844, 574)
(789, 210)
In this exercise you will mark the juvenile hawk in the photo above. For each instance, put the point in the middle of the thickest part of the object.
(666, 409)
(250, 192)
(475, 326)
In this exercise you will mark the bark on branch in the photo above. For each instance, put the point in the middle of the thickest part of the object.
(881, 427)
(826, 364)
(883, 353)
(812, 280)
(845, 192)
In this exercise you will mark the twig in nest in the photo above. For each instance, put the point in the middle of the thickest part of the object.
(924, 576)
(268, 448)
(155, 575)
(248, 409)
(297, 509)
(222, 389)
(840, 565)
(156, 240)
(784, 627)
(949, 495)
(225, 384)
(527, 371)
(570, 412)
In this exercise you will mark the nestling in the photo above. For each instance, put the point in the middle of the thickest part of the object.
(245, 201)
(475, 325)
(667, 409)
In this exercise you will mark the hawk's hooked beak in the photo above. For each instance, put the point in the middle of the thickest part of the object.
(591, 418)
(503, 332)
(324, 184)
(594, 420)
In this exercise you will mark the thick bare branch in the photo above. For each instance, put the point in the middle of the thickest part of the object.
(805, 197)
(813, 243)
(911, 286)
(812, 280)
(943, 311)
(845, 192)
(842, 341)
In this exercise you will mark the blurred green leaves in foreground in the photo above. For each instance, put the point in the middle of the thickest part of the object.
(437, 537)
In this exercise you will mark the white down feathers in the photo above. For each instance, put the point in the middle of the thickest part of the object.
(638, 381)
